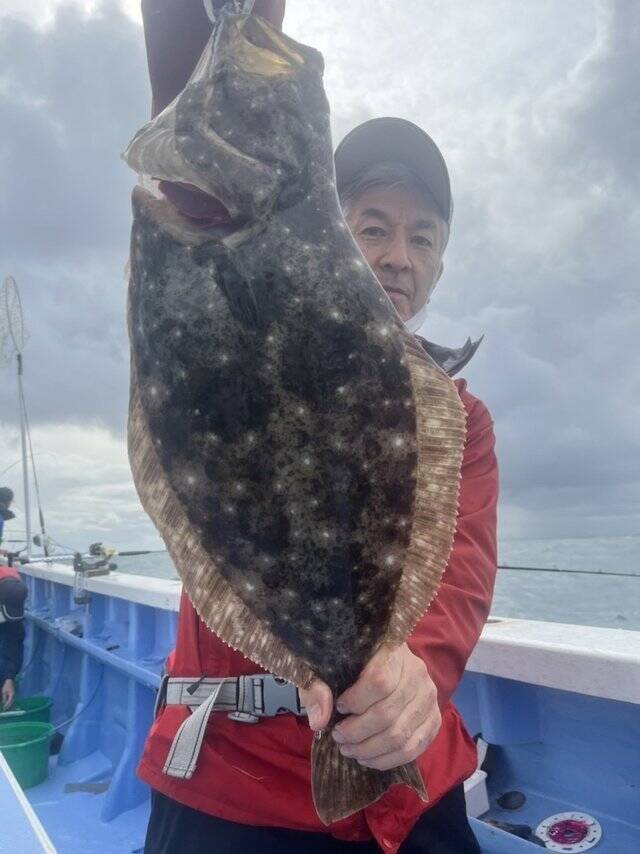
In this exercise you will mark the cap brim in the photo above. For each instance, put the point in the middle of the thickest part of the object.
(392, 139)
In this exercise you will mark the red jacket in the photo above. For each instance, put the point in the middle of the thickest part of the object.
(259, 774)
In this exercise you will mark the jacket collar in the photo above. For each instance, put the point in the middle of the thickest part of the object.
(451, 360)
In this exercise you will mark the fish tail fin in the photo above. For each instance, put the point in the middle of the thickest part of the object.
(341, 786)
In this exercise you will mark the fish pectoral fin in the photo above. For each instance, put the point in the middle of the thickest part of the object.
(341, 786)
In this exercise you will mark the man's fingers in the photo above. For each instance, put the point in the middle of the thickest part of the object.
(8, 695)
(399, 736)
(378, 680)
(270, 10)
(414, 746)
(378, 718)
(318, 701)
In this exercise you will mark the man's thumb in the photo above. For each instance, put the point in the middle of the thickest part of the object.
(318, 701)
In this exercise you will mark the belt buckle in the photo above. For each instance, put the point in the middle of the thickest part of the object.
(280, 696)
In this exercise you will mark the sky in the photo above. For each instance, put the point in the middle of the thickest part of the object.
(536, 108)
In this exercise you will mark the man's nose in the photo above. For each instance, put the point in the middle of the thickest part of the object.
(396, 256)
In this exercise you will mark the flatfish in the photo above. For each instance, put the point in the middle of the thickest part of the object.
(296, 448)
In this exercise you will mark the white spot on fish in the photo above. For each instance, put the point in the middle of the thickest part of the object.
(398, 442)
(191, 479)
(341, 389)
(306, 461)
(384, 331)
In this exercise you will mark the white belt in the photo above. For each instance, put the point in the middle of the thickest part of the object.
(246, 699)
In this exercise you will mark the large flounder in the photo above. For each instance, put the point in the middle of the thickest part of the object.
(295, 447)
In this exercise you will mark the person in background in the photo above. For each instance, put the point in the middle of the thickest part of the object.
(6, 497)
(251, 788)
(13, 593)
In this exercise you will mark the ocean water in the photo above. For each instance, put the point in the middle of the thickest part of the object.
(563, 597)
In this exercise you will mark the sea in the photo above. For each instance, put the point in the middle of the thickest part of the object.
(561, 588)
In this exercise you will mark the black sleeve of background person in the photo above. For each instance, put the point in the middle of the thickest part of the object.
(11, 648)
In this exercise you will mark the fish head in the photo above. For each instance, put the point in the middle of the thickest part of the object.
(250, 125)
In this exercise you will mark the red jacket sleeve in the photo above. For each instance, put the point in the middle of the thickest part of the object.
(446, 635)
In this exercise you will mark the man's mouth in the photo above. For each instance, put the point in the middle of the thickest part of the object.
(391, 290)
(400, 299)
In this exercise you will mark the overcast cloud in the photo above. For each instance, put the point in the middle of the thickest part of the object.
(538, 116)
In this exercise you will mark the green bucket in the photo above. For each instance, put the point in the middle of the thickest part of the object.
(26, 749)
(28, 710)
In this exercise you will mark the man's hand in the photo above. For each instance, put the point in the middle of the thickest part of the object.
(270, 10)
(392, 709)
(8, 694)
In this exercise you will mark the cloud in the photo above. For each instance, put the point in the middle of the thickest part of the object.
(85, 483)
(542, 145)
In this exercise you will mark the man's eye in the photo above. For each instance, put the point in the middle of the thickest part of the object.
(373, 231)
(422, 242)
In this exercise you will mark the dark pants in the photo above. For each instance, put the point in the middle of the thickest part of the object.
(176, 829)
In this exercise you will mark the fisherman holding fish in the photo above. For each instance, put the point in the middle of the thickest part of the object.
(242, 780)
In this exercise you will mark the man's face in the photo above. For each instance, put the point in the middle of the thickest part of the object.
(402, 238)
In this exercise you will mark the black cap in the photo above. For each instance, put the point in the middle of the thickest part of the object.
(384, 139)
(12, 596)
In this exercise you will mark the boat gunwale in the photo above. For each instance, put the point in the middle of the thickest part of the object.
(592, 660)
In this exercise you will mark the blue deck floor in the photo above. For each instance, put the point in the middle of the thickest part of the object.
(73, 819)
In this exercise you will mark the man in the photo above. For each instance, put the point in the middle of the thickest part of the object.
(12, 596)
(251, 787)
(6, 497)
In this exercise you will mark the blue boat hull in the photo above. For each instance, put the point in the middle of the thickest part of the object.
(101, 664)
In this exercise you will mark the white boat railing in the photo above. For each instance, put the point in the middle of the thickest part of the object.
(599, 662)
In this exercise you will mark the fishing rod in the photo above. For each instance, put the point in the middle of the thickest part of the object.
(570, 571)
